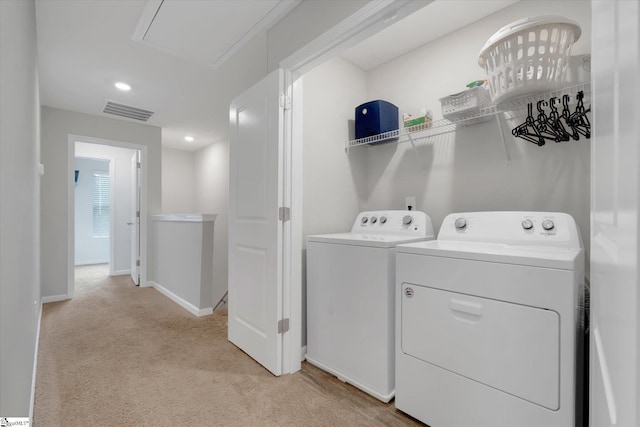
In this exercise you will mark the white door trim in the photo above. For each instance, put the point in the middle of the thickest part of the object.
(292, 229)
(614, 381)
(71, 140)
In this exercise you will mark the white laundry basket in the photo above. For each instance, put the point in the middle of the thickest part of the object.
(528, 56)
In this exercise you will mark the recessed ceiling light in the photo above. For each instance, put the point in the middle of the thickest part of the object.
(123, 86)
(188, 138)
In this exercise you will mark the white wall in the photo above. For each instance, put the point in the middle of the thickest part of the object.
(20, 206)
(467, 170)
(88, 249)
(122, 181)
(334, 184)
(57, 125)
(183, 260)
(178, 181)
(212, 196)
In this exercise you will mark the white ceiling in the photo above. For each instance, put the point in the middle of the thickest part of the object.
(207, 32)
(173, 54)
(429, 23)
(86, 46)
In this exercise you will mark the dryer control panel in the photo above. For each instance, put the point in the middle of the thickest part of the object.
(397, 222)
(513, 228)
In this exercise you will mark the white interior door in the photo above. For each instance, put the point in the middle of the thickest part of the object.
(134, 221)
(615, 160)
(255, 230)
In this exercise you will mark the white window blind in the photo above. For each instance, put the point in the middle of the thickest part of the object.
(101, 203)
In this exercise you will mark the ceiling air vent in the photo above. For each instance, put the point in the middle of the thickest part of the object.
(127, 111)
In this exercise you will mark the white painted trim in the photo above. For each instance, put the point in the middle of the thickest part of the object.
(144, 167)
(303, 353)
(120, 272)
(296, 207)
(146, 19)
(54, 298)
(185, 217)
(112, 215)
(182, 302)
(35, 365)
(71, 232)
(93, 262)
(292, 197)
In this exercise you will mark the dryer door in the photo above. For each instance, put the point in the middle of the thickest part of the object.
(510, 347)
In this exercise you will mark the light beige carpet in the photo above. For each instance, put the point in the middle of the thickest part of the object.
(118, 354)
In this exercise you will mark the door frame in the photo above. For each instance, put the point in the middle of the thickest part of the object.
(135, 209)
(367, 21)
(71, 144)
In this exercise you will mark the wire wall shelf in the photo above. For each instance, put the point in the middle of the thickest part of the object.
(512, 109)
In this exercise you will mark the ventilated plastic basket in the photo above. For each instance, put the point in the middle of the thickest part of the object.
(528, 56)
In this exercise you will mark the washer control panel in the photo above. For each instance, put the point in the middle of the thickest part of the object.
(516, 228)
(414, 223)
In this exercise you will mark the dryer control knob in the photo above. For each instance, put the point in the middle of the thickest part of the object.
(547, 224)
(461, 223)
(364, 220)
(383, 219)
(527, 224)
(407, 220)
(374, 220)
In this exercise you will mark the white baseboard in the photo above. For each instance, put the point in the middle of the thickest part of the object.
(121, 272)
(303, 353)
(35, 366)
(92, 261)
(54, 298)
(182, 302)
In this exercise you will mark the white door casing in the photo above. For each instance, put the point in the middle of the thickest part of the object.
(143, 180)
(255, 230)
(134, 218)
(615, 159)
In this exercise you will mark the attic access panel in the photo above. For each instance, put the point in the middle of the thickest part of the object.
(207, 32)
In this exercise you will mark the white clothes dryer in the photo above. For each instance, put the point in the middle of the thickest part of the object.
(487, 322)
(350, 298)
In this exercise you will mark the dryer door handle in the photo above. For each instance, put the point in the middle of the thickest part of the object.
(471, 310)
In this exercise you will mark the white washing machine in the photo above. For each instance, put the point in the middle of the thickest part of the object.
(350, 298)
(487, 320)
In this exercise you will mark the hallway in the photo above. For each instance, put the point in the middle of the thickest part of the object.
(117, 352)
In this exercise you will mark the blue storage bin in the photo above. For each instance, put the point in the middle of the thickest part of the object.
(375, 117)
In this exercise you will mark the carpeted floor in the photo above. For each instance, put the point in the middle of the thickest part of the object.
(118, 354)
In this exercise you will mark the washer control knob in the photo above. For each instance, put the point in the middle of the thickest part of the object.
(527, 224)
(547, 224)
(383, 219)
(364, 220)
(407, 220)
(374, 220)
(461, 223)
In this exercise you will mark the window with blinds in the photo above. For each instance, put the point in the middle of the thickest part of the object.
(101, 202)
